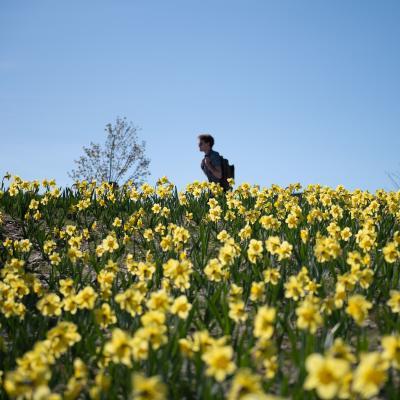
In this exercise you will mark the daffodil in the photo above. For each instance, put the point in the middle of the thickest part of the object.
(219, 362)
(325, 375)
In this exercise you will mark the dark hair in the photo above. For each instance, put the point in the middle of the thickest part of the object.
(208, 139)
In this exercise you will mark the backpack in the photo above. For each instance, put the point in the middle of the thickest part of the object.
(228, 171)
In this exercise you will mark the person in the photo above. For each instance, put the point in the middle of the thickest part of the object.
(211, 163)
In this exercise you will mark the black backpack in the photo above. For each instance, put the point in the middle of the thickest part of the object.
(228, 171)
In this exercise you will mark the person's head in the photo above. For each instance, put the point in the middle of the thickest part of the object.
(206, 143)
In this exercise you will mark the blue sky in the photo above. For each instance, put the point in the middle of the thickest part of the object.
(293, 91)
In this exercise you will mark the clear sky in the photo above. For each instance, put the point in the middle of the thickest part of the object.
(293, 91)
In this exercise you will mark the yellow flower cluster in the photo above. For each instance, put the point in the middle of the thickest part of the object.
(149, 293)
(334, 375)
(34, 367)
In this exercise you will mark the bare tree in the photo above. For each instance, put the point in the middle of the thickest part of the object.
(395, 179)
(122, 155)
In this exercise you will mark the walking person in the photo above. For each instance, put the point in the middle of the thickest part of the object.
(211, 163)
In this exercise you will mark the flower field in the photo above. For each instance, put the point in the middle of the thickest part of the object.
(150, 293)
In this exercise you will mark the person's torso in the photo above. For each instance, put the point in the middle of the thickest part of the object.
(214, 159)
